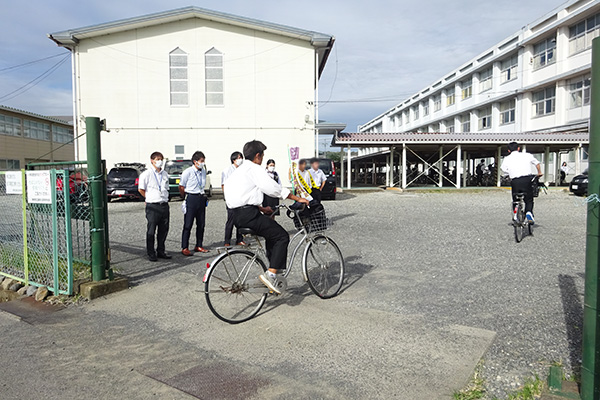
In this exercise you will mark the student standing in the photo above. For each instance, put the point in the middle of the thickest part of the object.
(154, 187)
(318, 177)
(305, 180)
(191, 187)
(236, 160)
(269, 201)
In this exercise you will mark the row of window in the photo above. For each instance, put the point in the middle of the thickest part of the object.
(14, 126)
(213, 75)
(544, 53)
(543, 101)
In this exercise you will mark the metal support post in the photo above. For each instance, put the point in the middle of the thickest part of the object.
(387, 171)
(465, 167)
(374, 174)
(404, 166)
(441, 167)
(349, 168)
(458, 154)
(392, 166)
(96, 182)
(547, 164)
(342, 167)
(578, 160)
(590, 371)
(497, 168)
(556, 168)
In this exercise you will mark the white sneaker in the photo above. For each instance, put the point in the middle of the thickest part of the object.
(276, 284)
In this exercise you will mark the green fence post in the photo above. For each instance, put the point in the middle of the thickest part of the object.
(68, 233)
(590, 372)
(96, 179)
(56, 285)
(25, 247)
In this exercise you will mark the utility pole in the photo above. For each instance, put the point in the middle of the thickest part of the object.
(97, 197)
(590, 371)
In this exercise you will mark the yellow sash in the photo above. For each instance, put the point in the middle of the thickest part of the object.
(304, 184)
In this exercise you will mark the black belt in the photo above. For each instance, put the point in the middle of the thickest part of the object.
(243, 207)
(164, 203)
(194, 194)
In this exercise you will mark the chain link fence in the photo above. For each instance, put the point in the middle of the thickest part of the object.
(12, 263)
(47, 243)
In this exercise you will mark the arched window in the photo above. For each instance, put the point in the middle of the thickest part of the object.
(178, 70)
(213, 65)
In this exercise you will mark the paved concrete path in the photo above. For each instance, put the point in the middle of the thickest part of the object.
(154, 342)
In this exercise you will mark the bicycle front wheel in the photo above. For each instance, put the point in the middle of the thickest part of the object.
(518, 224)
(323, 265)
(232, 288)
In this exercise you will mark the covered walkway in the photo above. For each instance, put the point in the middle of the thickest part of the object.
(447, 159)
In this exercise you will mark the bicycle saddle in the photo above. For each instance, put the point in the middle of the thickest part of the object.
(247, 231)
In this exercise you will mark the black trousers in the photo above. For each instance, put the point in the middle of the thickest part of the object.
(229, 228)
(157, 216)
(316, 194)
(195, 210)
(277, 239)
(523, 185)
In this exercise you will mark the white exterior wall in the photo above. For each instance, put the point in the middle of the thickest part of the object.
(269, 83)
(528, 80)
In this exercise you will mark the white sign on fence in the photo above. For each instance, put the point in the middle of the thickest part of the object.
(14, 182)
(39, 189)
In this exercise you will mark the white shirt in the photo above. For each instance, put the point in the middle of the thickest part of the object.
(227, 172)
(156, 185)
(247, 185)
(193, 180)
(518, 164)
(318, 176)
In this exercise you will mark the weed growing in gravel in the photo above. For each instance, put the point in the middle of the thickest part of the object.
(475, 390)
(531, 390)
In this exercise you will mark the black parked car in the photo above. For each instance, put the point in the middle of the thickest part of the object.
(579, 184)
(175, 168)
(330, 188)
(123, 181)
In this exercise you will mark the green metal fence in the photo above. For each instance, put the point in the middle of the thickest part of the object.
(47, 234)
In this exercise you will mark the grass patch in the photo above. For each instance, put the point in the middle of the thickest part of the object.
(531, 390)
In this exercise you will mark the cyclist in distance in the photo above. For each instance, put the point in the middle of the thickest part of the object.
(244, 192)
(518, 166)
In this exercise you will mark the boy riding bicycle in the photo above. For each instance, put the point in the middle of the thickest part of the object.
(517, 165)
(244, 191)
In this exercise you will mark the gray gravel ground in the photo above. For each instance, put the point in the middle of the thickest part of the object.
(447, 257)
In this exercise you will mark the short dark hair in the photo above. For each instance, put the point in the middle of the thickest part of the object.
(156, 154)
(513, 146)
(235, 155)
(251, 149)
(270, 161)
(198, 155)
(483, 160)
(314, 160)
(302, 161)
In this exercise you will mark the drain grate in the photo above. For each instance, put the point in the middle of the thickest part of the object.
(216, 381)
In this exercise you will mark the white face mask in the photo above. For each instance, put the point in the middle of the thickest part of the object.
(271, 169)
(200, 165)
(239, 161)
(158, 163)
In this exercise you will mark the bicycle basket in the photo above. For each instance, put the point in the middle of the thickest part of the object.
(312, 220)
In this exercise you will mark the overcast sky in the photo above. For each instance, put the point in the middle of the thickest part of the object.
(384, 49)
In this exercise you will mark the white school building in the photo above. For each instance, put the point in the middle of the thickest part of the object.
(195, 79)
(533, 87)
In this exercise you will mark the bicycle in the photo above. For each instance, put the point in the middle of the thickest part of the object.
(520, 222)
(233, 290)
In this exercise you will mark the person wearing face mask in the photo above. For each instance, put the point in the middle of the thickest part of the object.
(269, 201)
(191, 188)
(154, 187)
(236, 160)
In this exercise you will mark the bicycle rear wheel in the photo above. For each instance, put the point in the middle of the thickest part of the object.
(232, 288)
(323, 265)
(518, 224)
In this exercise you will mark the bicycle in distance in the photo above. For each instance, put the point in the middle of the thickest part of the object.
(233, 290)
(520, 222)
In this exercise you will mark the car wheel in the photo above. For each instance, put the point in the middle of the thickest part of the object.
(209, 193)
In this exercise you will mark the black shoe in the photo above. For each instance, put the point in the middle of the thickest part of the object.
(165, 256)
(152, 257)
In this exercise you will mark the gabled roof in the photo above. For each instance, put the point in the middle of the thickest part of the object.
(321, 41)
(38, 116)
